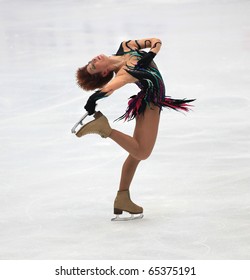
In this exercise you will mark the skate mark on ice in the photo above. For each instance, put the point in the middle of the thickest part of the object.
(203, 244)
(37, 112)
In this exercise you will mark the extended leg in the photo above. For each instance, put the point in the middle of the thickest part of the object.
(141, 144)
(140, 147)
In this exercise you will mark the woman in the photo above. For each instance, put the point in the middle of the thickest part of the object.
(130, 65)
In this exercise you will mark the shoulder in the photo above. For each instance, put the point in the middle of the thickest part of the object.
(118, 82)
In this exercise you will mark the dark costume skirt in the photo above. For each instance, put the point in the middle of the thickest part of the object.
(152, 91)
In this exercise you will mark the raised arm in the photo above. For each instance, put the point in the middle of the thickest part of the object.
(153, 43)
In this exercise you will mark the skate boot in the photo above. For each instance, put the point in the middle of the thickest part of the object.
(124, 203)
(99, 125)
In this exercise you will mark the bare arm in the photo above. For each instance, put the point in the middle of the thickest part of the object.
(117, 82)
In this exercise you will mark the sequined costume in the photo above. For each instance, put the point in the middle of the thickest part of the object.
(152, 89)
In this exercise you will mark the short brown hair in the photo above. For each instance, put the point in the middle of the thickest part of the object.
(91, 81)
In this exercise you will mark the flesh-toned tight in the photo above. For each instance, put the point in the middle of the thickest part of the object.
(140, 145)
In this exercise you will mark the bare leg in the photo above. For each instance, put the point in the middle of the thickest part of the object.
(128, 171)
(139, 146)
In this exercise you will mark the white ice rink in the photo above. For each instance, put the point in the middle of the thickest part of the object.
(57, 191)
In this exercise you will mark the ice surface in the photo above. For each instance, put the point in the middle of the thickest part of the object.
(57, 191)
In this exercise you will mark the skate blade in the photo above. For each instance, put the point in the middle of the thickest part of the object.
(74, 128)
(132, 217)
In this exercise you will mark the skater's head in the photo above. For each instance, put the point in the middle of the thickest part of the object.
(95, 74)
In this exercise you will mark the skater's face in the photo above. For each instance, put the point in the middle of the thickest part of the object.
(98, 64)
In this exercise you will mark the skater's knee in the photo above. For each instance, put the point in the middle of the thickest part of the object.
(145, 156)
(142, 155)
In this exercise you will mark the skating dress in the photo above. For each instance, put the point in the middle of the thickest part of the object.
(152, 89)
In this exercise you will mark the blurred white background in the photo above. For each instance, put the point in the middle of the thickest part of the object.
(57, 191)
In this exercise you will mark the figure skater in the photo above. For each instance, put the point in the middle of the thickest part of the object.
(129, 65)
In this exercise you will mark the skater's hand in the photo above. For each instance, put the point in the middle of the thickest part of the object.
(90, 106)
(91, 103)
(145, 60)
